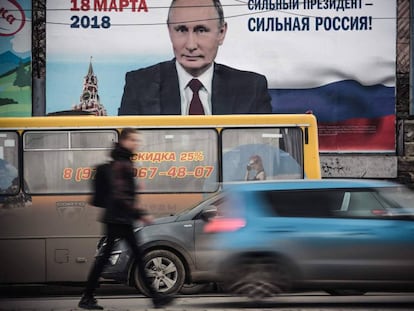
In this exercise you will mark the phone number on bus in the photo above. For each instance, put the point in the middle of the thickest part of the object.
(87, 173)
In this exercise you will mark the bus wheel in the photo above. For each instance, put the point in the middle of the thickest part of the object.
(165, 272)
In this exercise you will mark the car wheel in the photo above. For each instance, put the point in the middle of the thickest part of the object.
(257, 279)
(165, 271)
(345, 292)
(194, 288)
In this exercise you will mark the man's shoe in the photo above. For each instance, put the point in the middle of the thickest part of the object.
(162, 301)
(89, 303)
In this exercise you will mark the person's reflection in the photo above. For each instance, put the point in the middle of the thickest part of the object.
(255, 169)
(9, 186)
(7, 174)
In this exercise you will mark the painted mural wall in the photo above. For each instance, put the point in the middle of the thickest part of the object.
(15, 58)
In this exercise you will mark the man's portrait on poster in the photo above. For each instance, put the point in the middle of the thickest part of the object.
(196, 29)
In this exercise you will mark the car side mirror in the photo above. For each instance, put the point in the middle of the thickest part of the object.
(209, 212)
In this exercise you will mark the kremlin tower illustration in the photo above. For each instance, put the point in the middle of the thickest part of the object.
(89, 100)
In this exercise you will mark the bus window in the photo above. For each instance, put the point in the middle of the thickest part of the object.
(178, 160)
(89, 140)
(63, 161)
(46, 141)
(279, 152)
(9, 156)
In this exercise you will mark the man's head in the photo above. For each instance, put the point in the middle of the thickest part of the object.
(130, 139)
(197, 28)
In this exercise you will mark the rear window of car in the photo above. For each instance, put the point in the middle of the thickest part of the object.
(302, 203)
(338, 203)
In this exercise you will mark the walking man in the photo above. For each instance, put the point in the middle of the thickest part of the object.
(121, 210)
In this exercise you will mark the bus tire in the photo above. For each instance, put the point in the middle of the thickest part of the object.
(165, 271)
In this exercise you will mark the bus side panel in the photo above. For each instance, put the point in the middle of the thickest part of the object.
(50, 240)
(69, 259)
(22, 260)
(169, 204)
(51, 216)
(54, 238)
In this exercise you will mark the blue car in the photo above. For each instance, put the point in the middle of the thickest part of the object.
(340, 236)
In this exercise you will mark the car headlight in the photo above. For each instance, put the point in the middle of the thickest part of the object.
(113, 259)
(101, 244)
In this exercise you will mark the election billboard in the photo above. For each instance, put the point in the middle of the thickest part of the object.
(332, 58)
(15, 58)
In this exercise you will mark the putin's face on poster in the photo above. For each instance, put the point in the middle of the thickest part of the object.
(196, 31)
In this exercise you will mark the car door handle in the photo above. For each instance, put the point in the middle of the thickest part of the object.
(280, 230)
(356, 233)
(188, 226)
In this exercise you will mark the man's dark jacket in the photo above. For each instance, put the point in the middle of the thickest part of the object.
(155, 91)
(121, 209)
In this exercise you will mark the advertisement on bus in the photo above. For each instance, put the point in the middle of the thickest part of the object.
(335, 59)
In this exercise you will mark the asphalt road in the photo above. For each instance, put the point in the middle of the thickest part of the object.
(62, 290)
(63, 298)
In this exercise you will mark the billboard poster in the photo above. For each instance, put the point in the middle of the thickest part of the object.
(333, 58)
(15, 58)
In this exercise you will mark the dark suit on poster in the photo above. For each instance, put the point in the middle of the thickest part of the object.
(155, 91)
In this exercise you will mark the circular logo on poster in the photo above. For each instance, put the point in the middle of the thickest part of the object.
(12, 18)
